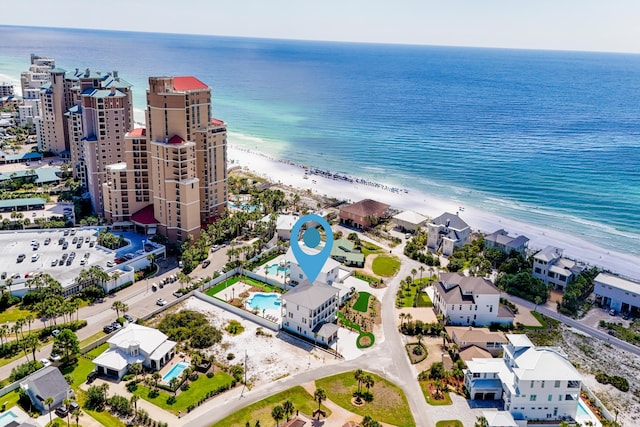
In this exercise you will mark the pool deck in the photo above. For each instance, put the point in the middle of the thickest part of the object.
(179, 357)
(279, 277)
(273, 315)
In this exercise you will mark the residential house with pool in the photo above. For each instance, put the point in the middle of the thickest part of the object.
(469, 300)
(535, 383)
(135, 344)
(310, 311)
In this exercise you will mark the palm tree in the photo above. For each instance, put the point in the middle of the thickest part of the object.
(48, 401)
(538, 301)
(67, 402)
(134, 402)
(402, 317)
(359, 376)
(367, 421)
(368, 381)
(421, 268)
(277, 413)
(156, 378)
(119, 306)
(8, 282)
(319, 396)
(76, 413)
(481, 421)
(413, 274)
(288, 408)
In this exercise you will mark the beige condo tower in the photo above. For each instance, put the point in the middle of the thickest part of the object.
(178, 164)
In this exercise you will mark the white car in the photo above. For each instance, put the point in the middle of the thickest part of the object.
(45, 362)
(35, 257)
(161, 302)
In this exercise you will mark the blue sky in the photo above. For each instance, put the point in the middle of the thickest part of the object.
(592, 25)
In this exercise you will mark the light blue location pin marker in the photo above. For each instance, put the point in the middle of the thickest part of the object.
(311, 264)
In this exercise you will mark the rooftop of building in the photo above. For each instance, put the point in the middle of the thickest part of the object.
(450, 220)
(618, 282)
(310, 295)
(549, 253)
(184, 83)
(364, 208)
(410, 217)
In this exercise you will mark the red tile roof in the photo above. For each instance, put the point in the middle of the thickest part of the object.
(182, 83)
(175, 139)
(145, 216)
(216, 122)
(138, 132)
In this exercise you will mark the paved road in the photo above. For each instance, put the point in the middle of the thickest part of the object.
(387, 358)
(590, 330)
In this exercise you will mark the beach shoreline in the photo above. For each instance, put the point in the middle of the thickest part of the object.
(289, 173)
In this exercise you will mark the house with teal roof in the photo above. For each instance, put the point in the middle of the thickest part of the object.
(344, 251)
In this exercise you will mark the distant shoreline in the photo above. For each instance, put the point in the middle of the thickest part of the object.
(290, 173)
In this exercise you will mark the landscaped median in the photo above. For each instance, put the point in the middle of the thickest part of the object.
(260, 412)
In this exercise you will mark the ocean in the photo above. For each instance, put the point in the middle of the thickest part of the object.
(544, 137)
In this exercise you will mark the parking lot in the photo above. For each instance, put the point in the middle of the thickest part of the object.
(45, 249)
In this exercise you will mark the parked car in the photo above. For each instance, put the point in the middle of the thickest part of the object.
(177, 294)
(55, 332)
(54, 262)
(110, 263)
(65, 245)
(45, 362)
(92, 376)
(35, 257)
(47, 241)
(612, 312)
(161, 302)
(128, 318)
(206, 263)
(108, 329)
(54, 357)
(62, 411)
(21, 257)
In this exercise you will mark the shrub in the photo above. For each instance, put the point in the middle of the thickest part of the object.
(132, 386)
(185, 386)
(618, 382)
(209, 374)
(171, 400)
(23, 370)
(153, 394)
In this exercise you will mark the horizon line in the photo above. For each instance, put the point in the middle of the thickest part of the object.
(360, 42)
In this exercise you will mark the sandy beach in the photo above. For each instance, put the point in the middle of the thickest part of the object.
(293, 175)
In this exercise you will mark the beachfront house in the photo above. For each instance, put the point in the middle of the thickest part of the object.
(535, 383)
(620, 294)
(409, 221)
(553, 269)
(310, 311)
(135, 344)
(464, 300)
(363, 214)
(501, 240)
(447, 232)
(44, 383)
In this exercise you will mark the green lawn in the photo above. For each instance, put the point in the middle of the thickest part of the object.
(78, 371)
(424, 385)
(412, 297)
(449, 423)
(261, 411)
(12, 314)
(198, 389)
(389, 403)
(346, 322)
(235, 279)
(362, 304)
(385, 266)
(369, 248)
(92, 338)
(97, 351)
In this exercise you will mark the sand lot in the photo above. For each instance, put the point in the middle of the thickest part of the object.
(268, 358)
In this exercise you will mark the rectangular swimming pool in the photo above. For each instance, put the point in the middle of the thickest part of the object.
(175, 371)
(7, 418)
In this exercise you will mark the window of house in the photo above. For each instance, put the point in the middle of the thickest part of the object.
(533, 397)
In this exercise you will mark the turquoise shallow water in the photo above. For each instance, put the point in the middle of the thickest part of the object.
(548, 138)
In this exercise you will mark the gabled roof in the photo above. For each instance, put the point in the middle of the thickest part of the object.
(548, 254)
(183, 83)
(45, 382)
(175, 139)
(470, 334)
(116, 359)
(499, 419)
(473, 351)
(310, 295)
(501, 237)
(450, 220)
(455, 287)
(366, 207)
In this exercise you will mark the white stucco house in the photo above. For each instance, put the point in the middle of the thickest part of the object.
(618, 293)
(135, 344)
(328, 274)
(409, 220)
(310, 310)
(552, 268)
(465, 300)
(284, 225)
(447, 232)
(535, 383)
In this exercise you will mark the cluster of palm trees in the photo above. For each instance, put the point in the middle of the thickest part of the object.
(28, 342)
(119, 307)
(280, 412)
(366, 379)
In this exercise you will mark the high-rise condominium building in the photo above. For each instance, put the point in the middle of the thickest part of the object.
(30, 82)
(183, 161)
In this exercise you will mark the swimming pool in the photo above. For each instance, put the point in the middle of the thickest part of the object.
(275, 269)
(269, 301)
(7, 417)
(175, 371)
(582, 411)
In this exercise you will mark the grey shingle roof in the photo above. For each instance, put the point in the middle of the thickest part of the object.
(47, 382)
(454, 221)
(309, 295)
